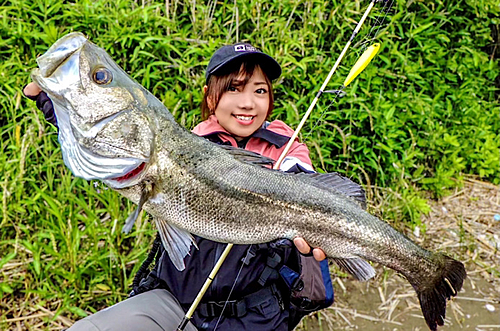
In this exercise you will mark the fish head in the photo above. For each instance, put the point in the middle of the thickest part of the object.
(104, 131)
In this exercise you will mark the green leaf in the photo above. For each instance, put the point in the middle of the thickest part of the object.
(78, 311)
(5, 288)
(421, 28)
(7, 258)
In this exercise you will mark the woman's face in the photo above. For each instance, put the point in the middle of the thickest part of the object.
(242, 109)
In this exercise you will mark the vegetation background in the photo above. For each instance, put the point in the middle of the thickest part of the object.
(420, 117)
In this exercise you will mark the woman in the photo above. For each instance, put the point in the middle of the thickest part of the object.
(259, 286)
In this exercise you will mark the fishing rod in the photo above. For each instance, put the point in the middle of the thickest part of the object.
(358, 67)
(204, 288)
(327, 80)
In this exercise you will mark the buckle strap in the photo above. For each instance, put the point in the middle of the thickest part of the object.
(238, 308)
(252, 251)
(272, 263)
(232, 308)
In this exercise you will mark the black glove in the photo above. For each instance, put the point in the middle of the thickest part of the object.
(44, 103)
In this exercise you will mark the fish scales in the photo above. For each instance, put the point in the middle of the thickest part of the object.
(116, 131)
(275, 205)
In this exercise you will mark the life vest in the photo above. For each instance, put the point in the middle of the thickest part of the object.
(252, 273)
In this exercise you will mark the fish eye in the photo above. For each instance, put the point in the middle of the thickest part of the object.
(102, 76)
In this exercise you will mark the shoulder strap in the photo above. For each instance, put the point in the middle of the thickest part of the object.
(273, 261)
(144, 268)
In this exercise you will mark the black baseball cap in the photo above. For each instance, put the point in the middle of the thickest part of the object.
(227, 54)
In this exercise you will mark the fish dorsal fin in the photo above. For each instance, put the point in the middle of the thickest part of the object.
(246, 156)
(357, 267)
(340, 184)
(177, 242)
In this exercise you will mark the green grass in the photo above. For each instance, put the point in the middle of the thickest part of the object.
(423, 114)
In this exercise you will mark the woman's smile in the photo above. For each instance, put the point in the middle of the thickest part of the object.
(244, 119)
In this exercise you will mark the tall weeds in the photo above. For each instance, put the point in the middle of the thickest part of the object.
(423, 114)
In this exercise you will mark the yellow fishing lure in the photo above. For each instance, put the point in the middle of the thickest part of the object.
(362, 62)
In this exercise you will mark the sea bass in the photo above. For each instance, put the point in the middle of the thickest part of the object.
(114, 130)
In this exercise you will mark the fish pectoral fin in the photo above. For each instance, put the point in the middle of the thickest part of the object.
(129, 222)
(357, 267)
(246, 156)
(146, 192)
(177, 242)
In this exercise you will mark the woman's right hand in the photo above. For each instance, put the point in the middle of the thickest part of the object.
(33, 92)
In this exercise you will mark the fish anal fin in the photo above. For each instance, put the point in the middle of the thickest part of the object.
(433, 297)
(357, 267)
(177, 242)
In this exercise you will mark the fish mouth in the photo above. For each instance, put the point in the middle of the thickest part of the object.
(58, 53)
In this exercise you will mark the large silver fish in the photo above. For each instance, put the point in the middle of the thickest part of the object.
(112, 129)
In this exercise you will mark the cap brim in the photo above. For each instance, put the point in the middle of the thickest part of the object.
(270, 67)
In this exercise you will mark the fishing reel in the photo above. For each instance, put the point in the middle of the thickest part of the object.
(339, 93)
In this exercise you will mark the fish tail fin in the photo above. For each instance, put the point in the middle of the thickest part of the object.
(433, 295)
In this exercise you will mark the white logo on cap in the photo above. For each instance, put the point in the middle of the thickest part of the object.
(244, 48)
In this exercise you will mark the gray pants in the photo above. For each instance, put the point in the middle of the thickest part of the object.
(153, 311)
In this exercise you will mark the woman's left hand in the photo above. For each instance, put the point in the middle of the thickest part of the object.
(305, 249)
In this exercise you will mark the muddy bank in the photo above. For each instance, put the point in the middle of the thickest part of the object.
(462, 225)
(392, 305)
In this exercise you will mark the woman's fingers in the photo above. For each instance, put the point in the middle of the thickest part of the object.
(304, 248)
(31, 90)
(318, 254)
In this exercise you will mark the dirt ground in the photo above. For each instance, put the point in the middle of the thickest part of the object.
(462, 225)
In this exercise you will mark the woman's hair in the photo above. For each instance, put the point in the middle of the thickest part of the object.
(220, 82)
